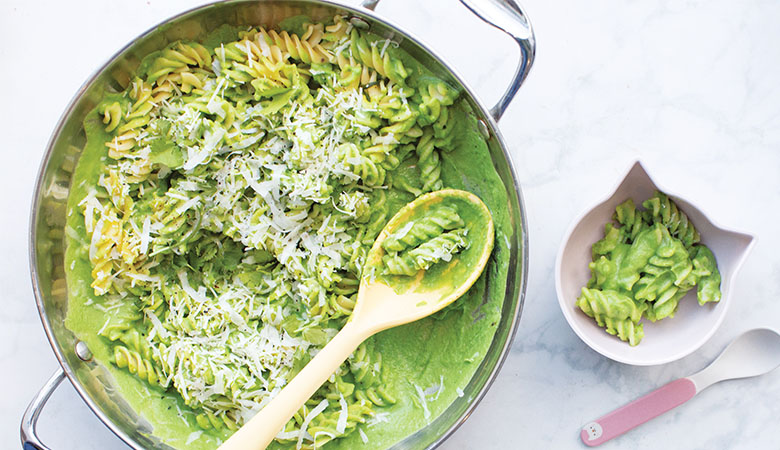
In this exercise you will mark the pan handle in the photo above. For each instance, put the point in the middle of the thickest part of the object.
(508, 16)
(30, 439)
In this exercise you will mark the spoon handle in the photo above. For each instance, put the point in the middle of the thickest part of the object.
(259, 431)
(638, 412)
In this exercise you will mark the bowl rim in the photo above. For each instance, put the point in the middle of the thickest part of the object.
(518, 285)
(565, 305)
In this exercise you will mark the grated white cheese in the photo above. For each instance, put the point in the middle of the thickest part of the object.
(96, 235)
(194, 436)
(145, 230)
(157, 326)
(269, 179)
(435, 389)
(378, 418)
(387, 139)
(285, 435)
(105, 325)
(423, 401)
(384, 48)
(216, 66)
(341, 423)
(248, 51)
(142, 277)
(72, 233)
(245, 143)
(199, 296)
(307, 420)
(323, 433)
(264, 48)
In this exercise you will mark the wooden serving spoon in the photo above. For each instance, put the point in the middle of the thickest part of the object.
(383, 301)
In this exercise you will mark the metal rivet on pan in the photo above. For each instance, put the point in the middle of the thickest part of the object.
(357, 22)
(483, 128)
(82, 351)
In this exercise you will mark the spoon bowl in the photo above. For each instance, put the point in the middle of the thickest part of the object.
(391, 300)
(383, 301)
(754, 352)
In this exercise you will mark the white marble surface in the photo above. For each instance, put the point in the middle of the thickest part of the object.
(690, 87)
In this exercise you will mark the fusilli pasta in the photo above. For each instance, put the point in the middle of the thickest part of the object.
(245, 183)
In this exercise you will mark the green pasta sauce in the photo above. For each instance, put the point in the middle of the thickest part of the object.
(205, 223)
(644, 266)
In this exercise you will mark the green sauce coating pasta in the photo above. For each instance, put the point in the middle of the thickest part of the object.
(645, 264)
(706, 268)
(414, 233)
(664, 210)
(618, 313)
(428, 157)
(440, 248)
(430, 252)
(627, 215)
(245, 182)
(420, 243)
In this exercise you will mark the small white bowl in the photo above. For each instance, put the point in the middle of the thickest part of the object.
(666, 340)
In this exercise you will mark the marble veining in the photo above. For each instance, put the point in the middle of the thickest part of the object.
(689, 87)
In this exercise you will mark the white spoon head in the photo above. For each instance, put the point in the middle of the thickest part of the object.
(754, 352)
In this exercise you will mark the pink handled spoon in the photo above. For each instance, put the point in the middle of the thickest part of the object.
(754, 352)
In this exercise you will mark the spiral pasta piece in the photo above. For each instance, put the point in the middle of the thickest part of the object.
(108, 236)
(378, 59)
(124, 145)
(609, 303)
(209, 419)
(666, 212)
(430, 167)
(616, 312)
(444, 131)
(125, 358)
(435, 97)
(443, 218)
(178, 56)
(112, 115)
(439, 248)
(280, 46)
(666, 305)
(377, 220)
(627, 330)
(395, 264)
(361, 164)
(632, 220)
(706, 268)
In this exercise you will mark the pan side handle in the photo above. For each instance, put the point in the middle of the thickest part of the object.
(508, 16)
(29, 436)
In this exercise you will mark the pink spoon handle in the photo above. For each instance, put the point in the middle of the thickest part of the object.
(638, 412)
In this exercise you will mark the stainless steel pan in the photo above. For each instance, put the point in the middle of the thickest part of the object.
(47, 221)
